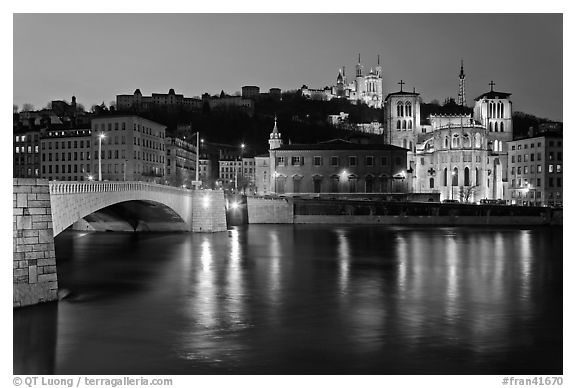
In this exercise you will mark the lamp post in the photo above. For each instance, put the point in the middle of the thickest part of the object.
(242, 168)
(100, 137)
(197, 157)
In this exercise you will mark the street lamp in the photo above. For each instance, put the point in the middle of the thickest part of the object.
(100, 137)
(242, 167)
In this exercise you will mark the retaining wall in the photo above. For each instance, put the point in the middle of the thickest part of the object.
(270, 210)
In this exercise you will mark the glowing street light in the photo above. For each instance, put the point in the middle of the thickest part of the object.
(100, 137)
(234, 205)
(206, 201)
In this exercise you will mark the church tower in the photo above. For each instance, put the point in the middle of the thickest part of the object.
(379, 68)
(461, 86)
(402, 118)
(494, 110)
(275, 137)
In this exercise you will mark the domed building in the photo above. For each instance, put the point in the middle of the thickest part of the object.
(459, 161)
(462, 155)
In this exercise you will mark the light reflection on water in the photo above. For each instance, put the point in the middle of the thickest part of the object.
(303, 299)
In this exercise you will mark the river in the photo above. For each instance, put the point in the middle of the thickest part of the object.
(305, 299)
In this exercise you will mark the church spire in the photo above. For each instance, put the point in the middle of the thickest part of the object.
(359, 67)
(462, 85)
(275, 137)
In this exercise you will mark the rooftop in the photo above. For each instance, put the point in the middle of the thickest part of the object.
(339, 144)
(492, 94)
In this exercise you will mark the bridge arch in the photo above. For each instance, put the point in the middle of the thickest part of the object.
(72, 201)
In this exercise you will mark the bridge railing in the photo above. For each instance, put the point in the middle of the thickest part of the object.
(68, 187)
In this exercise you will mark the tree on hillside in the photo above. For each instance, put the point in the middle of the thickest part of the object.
(27, 107)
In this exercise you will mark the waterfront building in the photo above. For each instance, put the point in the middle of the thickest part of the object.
(335, 166)
(66, 155)
(180, 162)
(462, 156)
(535, 169)
(262, 174)
(133, 148)
(26, 154)
(230, 173)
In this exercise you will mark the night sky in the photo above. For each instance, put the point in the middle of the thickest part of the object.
(96, 56)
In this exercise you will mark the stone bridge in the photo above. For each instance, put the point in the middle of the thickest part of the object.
(43, 209)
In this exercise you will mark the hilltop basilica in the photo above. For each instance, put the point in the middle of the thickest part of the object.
(365, 88)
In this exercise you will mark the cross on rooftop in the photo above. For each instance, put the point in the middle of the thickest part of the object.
(401, 83)
(491, 85)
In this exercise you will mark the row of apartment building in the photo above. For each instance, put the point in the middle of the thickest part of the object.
(126, 147)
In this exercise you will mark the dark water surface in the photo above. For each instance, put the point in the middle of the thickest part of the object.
(285, 299)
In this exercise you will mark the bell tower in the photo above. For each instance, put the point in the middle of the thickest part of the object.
(275, 140)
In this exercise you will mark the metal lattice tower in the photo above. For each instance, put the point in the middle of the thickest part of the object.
(461, 86)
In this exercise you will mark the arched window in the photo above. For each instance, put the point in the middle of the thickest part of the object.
(409, 124)
(501, 106)
(477, 141)
(455, 176)
(490, 127)
(398, 124)
(495, 145)
(490, 146)
(466, 141)
(410, 145)
(501, 126)
(477, 177)
(490, 110)
(466, 176)
(404, 143)
(431, 183)
(403, 124)
(455, 141)
(400, 109)
(445, 177)
(446, 142)
(408, 109)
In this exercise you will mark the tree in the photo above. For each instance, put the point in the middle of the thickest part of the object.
(466, 193)
(14, 108)
(27, 107)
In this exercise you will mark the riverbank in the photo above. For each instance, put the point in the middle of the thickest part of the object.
(334, 211)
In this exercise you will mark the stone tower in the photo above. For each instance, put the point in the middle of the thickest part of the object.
(494, 110)
(402, 117)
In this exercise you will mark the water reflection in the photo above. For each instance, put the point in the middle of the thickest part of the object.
(302, 299)
(343, 250)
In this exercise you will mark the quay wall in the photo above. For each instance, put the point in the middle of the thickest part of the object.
(270, 210)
